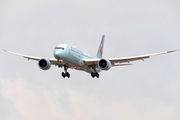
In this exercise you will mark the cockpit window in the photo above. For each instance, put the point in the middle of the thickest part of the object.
(59, 48)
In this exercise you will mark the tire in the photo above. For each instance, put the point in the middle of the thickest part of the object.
(68, 75)
(63, 75)
(92, 75)
(97, 75)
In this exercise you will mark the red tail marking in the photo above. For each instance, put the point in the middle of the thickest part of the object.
(101, 52)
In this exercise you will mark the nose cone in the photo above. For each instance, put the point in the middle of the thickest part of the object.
(60, 51)
(57, 54)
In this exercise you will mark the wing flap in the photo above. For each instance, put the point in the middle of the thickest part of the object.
(121, 64)
(128, 59)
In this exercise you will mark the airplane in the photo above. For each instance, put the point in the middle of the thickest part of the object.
(71, 57)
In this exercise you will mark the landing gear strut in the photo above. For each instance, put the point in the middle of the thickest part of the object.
(96, 73)
(66, 73)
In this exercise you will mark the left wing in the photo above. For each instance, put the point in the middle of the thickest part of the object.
(119, 61)
(52, 60)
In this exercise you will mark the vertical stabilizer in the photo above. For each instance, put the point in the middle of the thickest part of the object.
(100, 50)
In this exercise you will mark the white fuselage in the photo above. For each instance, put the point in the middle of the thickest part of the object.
(73, 57)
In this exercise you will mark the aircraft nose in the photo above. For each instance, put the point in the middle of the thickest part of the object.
(57, 54)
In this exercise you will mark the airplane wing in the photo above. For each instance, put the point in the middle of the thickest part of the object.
(119, 61)
(52, 60)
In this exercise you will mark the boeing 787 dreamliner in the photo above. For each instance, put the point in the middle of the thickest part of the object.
(68, 56)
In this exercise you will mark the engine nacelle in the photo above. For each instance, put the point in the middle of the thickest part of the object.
(44, 64)
(104, 64)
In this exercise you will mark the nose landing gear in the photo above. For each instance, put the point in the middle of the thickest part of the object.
(60, 66)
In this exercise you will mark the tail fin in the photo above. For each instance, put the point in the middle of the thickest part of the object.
(100, 50)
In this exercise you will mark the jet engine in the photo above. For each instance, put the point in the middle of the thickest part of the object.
(44, 64)
(104, 64)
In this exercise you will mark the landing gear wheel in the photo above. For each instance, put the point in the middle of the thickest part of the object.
(68, 75)
(92, 74)
(95, 74)
(60, 66)
(63, 75)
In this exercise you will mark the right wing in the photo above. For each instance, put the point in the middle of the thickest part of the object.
(121, 61)
(118, 61)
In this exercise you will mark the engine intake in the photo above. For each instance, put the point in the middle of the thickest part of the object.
(44, 64)
(104, 64)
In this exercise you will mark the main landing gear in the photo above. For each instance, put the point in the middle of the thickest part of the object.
(66, 73)
(95, 74)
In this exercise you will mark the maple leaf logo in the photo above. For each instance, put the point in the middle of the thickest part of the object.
(101, 52)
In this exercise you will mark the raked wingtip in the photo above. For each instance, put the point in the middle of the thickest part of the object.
(172, 51)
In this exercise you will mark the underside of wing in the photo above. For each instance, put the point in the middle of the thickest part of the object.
(52, 60)
(91, 61)
(25, 56)
(119, 61)
(123, 61)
